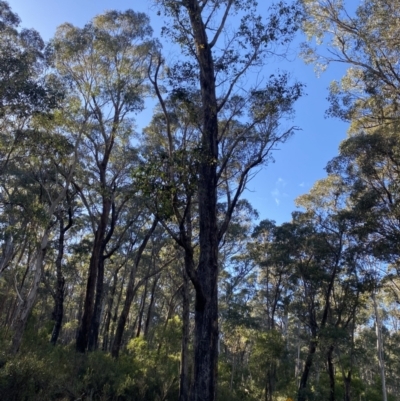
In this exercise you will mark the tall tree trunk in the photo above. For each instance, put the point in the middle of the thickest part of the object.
(88, 308)
(331, 372)
(94, 281)
(301, 396)
(141, 309)
(312, 347)
(12, 311)
(347, 386)
(150, 308)
(270, 381)
(379, 346)
(130, 293)
(98, 305)
(58, 311)
(114, 317)
(184, 384)
(25, 306)
(106, 331)
(206, 304)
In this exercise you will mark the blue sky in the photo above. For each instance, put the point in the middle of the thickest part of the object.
(298, 163)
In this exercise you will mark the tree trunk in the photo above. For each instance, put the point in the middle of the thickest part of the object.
(98, 305)
(184, 384)
(312, 347)
(379, 346)
(130, 293)
(270, 381)
(314, 331)
(150, 308)
(347, 387)
(331, 372)
(94, 286)
(141, 309)
(25, 306)
(58, 311)
(88, 308)
(106, 331)
(114, 317)
(206, 306)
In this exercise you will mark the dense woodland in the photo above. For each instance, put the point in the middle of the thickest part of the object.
(131, 266)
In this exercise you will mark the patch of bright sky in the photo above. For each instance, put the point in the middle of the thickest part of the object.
(298, 163)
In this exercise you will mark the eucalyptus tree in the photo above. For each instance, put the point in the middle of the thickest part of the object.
(24, 92)
(168, 176)
(366, 39)
(105, 63)
(368, 164)
(215, 63)
(269, 251)
(37, 159)
(333, 278)
(132, 286)
(40, 182)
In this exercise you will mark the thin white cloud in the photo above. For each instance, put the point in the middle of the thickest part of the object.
(276, 195)
(281, 182)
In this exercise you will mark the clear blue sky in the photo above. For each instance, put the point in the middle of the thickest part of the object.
(298, 163)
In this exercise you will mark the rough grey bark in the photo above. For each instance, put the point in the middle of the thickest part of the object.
(206, 302)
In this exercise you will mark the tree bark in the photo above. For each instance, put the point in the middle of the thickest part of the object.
(270, 381)
(58, 311)
(130, 293)
(184, 384)
(379, 346)
(106, 330)
(141, 309)
(331, 371)
(98, 305)
(94, 280)
(312, 347)
(25, 305)
(88, 308)
(150, 308)
(206, 304)
(347, 386)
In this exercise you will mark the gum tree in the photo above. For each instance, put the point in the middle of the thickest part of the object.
(216, 59)
(105, 63)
